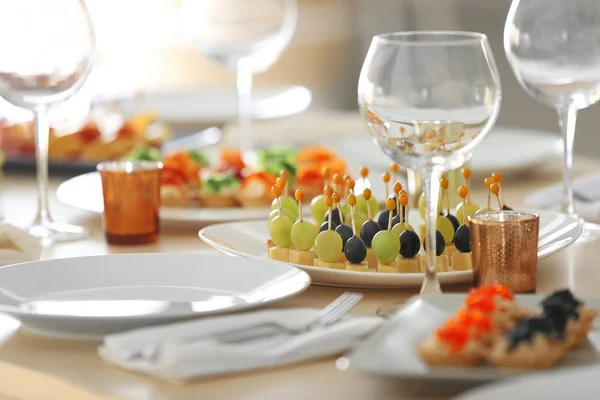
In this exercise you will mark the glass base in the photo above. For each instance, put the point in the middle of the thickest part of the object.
(431, 285)
(389, 310)
(58, 232)
(590, 233)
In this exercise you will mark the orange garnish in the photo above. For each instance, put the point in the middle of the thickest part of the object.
(481, 302)
(233, 159)
(480, 323)
(497, 290)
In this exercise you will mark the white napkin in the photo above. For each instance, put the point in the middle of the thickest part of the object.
(205, 357)
(17, 246)
(551, 197)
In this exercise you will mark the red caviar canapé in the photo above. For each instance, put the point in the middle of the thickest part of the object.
(481, 302)
(455, 335)
(478, 322)
(497, 290)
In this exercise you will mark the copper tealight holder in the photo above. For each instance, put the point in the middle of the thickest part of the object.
(504, 249)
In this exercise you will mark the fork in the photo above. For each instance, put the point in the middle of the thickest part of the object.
(329, 315)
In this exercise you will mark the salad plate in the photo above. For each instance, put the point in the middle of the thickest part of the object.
(249, 239)
(89, 297)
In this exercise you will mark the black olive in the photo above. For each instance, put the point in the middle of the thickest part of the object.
(368, 230)
(356, 250)
(325, 226)
(440, 245)
(410, 244)
(345, 232)
(462, 239)
(454, 221)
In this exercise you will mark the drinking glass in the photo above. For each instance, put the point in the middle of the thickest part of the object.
(553, 47)
(47, 49)
(428, 99)
(243, 36)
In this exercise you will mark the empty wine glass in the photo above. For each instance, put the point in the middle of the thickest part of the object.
(243, 36)
(553, 47)
(47, 49)
(428, 99)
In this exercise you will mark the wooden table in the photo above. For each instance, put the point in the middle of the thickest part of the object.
(77, 362)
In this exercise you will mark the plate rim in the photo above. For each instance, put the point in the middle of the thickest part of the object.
(459, 276)
(13, 310)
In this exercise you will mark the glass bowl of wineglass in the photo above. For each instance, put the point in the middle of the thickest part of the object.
(429, 98)
(47, 52)
(553, 48)
(243, 36)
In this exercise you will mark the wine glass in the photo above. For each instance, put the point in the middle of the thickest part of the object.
(428, 99)
(243, 36)
(553, 48)
(47, 49)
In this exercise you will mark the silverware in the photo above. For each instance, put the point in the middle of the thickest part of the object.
(329, 315)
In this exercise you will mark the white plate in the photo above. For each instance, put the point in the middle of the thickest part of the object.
(248, 239)
(506, 149)
(392, 351)
(85, 192)
(74, 296)
(218, 104)
(574, 383)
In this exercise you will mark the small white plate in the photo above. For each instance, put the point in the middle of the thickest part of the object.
(85, 192)
(89, 297)
(218, 104)
(392, 350)
(575, 383)
(249, 238)
(506, 149)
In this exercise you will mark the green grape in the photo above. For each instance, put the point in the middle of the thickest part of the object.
(280, 230)
(287, 203)
(318, 209)
(346, 213)
(328, 246)
(422, 205)
(401, 227)
(472, 208)
(284, 212)
(445, 227)
(359, 219)
(361, 205)
(386, 246)
(303, 235)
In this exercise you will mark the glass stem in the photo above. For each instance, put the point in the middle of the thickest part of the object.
(567, 118)
(42, 133)
(431, 180)
(244, 93)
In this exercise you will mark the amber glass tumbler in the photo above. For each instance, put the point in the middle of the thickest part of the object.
(504, 246)
(131, 191)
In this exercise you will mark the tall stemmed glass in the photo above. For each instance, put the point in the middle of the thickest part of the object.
(47, 49)
(553, 47)
(429, 98)
(243, 36)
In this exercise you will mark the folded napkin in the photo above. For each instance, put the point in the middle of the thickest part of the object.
(587, 200)
(205, 356)
(17, 246)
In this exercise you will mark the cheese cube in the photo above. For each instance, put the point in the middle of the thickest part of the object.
(461, 261)
(449, 251)
(371, 259)
(302, 257)
(441, 262)
(279, 254)
(408, 264)
(324, 264)
(362, 267)
(387, 268)
(270, 244)
(342, 258)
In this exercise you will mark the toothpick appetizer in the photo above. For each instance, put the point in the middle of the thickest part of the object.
(362, 184)
(317, 205)
(284, 202)
(471, 207)
(403, 224)
(280, 228)
(443, 227)
(328, 244)
(368, 230)
(441, 260)
(398, 217)
(495, 189)
(382, 218)
(488, 182)
(410, 244)
(332, 216)
(394, 168)
(444, 189)
(461, 258)
(342, 229)
(355, 249)
(303, 235)
(385, 244)
(497, 177)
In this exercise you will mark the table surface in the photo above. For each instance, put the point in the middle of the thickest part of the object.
(77, 362)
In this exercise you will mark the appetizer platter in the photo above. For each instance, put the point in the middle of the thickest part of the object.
(487, 334)
(354, 242)
(202, 186)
